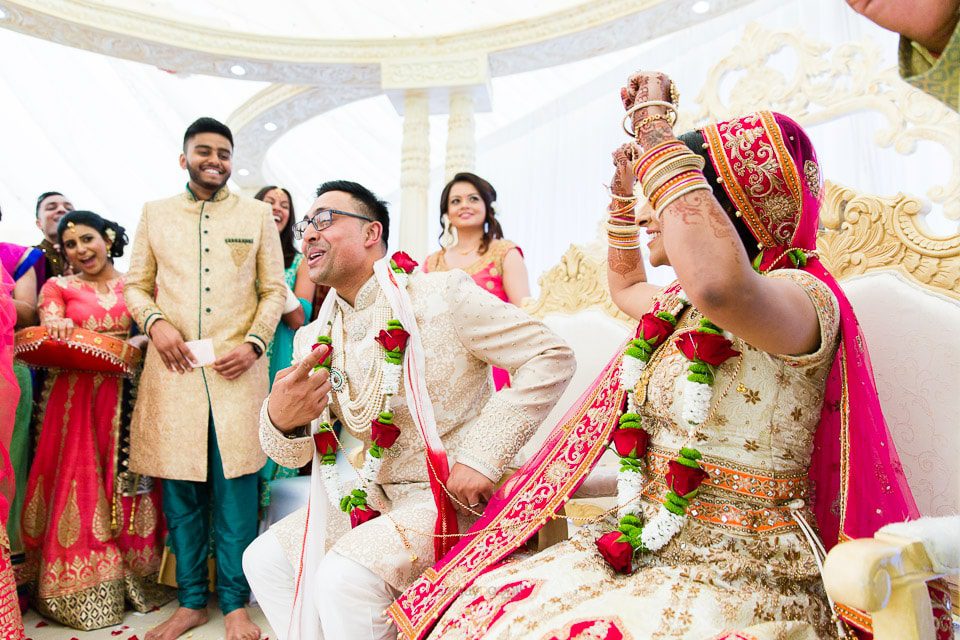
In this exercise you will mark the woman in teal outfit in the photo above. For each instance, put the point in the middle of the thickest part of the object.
(299, 296)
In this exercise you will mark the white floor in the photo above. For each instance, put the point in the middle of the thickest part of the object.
(136, 625)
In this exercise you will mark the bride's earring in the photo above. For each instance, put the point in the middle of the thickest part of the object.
(449, 238)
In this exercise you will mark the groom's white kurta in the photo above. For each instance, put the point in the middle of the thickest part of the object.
(464, 330)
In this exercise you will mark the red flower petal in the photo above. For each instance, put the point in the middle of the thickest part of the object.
(404, 261)
(618, 554)
(708, 347)
(360, 515)
(326, 442)
(684, 480)
(383, 435)
(652, 327)
(629, 442)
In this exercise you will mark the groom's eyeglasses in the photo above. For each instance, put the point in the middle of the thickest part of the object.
(323, 219)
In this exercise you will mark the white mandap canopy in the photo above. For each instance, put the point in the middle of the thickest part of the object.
(95, 95)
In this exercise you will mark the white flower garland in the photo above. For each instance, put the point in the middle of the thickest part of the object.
(369, 472)
(697, 399)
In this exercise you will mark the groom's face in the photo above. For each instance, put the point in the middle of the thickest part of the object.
(335, 254)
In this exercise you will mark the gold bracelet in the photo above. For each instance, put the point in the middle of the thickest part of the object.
(643, 105)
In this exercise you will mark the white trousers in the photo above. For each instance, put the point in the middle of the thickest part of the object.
(351, 599)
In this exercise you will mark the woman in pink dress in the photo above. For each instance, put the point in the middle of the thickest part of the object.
(11, 625)
(92, 530)
(472, 240)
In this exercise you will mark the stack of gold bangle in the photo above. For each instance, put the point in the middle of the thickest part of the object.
(622, 229)
(667, 171)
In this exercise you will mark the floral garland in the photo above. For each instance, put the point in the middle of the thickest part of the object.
(383, 433)
(706, 347)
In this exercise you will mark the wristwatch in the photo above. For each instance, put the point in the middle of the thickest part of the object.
(256, 349)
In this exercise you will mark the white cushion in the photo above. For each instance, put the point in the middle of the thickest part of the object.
(594, 337)
(911, 335)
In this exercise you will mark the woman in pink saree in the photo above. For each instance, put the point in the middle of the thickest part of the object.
(11, 626)
(753, 422)
(472, 240)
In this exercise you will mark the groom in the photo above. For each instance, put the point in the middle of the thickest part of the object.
(449, 438)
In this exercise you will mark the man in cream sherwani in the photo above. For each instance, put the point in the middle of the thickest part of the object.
(464, 330)
(206, 264)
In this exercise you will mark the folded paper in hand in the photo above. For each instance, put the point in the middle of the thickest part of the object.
(202, 351)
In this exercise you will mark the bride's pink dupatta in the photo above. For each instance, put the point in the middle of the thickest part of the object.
(857, 480)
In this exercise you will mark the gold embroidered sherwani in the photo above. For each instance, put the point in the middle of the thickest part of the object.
(213, 269)
(464, 330)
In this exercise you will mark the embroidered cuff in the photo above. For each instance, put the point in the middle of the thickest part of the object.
(286, 451)
(500, 432)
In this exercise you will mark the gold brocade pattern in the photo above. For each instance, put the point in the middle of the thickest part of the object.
(811, 174)
(145, 519)
(59, 578)
(93, 608)
(35, 513)
(182, 269)
(101, 519)
(68, 527)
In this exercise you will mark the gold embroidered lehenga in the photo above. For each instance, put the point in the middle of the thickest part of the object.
(93, 531)
(740, 563)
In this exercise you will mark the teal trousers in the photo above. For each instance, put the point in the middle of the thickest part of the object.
(230, 506)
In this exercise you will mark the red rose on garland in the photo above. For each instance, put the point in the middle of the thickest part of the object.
(616, 551)
(684, 480)
(708, 347)
(393, 339)
(654, 329)
(630, 442)
(359, 515)
(382, 434)
(326, 442)
(404, 262)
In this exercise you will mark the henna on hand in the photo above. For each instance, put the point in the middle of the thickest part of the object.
(623, 178)
(625, 262)
(699, 208)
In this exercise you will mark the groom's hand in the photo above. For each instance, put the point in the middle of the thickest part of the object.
(297, 397)
(470, 487)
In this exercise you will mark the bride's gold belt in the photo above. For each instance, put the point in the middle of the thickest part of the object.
(738, 498)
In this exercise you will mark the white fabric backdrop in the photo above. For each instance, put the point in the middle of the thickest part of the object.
(107, 132)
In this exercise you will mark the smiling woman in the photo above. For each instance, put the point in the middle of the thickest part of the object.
(472, 240)
(100, 517)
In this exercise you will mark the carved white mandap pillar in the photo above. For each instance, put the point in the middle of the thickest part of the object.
(461, 135)
(414, 173)
(418, 88)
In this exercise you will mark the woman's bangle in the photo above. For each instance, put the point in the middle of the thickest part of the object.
(643, 105)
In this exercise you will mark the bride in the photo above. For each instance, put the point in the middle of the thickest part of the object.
(744, 414)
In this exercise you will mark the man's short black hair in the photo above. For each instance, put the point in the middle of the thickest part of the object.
(207, 125)
(43, 196)
(370, 205)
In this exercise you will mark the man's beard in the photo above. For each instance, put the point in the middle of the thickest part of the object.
(198, 177)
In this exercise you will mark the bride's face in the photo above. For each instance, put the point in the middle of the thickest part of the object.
(647, 219)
